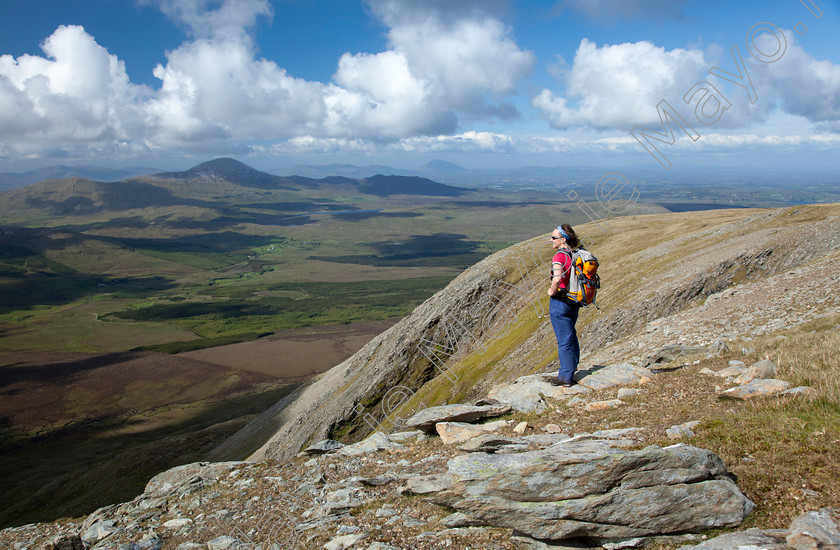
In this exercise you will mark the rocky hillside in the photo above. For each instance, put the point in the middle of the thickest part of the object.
(707, 401)
(489, 325)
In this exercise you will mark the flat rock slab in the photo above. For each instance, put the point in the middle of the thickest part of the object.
(563, 392)
(590, 488)
(616, 437)
(761, 369)
(375, 442)
(544, 440)
(800, 391)
(756, 388)
(426, 419)
(524, 395)
(323, 447)
(452, 433)
(752, 539)
(612, 376)
(666, 354)
(527, 392)
(180, 478)
(601, 405)
(682, 431)
(819, 529)
(423, 485)
(490, 443)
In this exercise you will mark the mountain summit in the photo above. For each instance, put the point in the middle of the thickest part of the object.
(230, 170)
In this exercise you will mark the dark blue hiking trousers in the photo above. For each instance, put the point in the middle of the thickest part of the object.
(563, 318)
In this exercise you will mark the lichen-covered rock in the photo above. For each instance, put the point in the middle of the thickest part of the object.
(756, 388)
(815, 530)
(426, 419)
(760, 369)
(682, 431)
(601, 405)
(753, 539)
(588, 488)
(188, 477)
(323, 447)
(523, 395)
(376, 442)
(452, 433)
(611, 376)
(490, 443)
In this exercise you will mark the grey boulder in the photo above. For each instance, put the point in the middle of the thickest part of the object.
(323, 447)
(753, 539)
(589, 488)
(813, 530)
(759, 370)
(426, 419)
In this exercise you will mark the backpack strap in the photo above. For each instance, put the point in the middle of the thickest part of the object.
(571, 262)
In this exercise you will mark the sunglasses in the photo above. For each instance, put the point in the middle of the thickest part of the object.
(554, 238)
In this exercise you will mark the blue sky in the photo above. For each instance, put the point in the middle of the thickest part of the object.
(482, 83)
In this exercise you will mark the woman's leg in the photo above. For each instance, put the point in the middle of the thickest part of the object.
(563, 317)
(574, 310)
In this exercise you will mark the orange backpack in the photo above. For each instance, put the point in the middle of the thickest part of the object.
(584, 281)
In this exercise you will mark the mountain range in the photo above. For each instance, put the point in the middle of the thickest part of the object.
(211, 184)
(11, 180)
(681, 186)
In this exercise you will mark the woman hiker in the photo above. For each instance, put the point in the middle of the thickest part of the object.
(562, 311)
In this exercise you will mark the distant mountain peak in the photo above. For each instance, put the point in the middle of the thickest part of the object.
(221, 166)
(438, 165)
(230, 170)
(383, 186)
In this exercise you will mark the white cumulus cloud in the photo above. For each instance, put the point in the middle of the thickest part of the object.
(78, 93)
(802, 85)
(619, 85)
(216, 90)
(442, 64)
(232, 17)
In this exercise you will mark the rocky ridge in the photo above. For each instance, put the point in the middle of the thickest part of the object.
(498, 487)
(746, 251)
(519, 482)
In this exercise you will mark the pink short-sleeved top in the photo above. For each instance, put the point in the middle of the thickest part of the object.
(565, 268)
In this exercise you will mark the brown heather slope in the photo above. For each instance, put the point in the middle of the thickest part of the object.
(78, 431)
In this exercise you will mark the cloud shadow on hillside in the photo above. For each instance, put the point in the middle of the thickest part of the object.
(30, 290)
(440, 249)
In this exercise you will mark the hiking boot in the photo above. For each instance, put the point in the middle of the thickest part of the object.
(555, 381)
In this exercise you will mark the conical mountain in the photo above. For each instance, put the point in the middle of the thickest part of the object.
(232, 171)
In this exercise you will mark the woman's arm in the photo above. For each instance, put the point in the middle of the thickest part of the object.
(557, 270)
